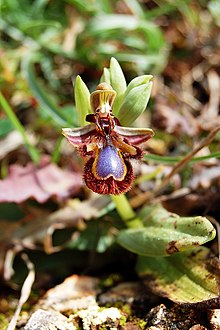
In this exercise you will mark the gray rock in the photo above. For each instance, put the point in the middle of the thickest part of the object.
(44, 320)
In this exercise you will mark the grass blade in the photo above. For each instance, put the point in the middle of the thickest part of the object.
(33, 152)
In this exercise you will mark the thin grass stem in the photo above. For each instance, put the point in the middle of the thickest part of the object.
(33, 152)
(173, 160)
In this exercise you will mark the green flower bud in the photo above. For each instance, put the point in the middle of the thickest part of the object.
(135, 100)
(82, 100)
(105, 76)
(118, 83)
(138, 81)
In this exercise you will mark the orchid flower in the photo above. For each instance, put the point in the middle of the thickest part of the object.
(106, 145)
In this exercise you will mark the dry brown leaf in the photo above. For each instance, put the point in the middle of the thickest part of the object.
(40, 183)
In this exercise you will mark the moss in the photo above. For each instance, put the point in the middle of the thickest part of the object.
(110, 281)
(142, 324)
(124, 308)
(123, 320)
(3, 322)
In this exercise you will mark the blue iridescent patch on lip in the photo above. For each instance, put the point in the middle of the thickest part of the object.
(109, 163)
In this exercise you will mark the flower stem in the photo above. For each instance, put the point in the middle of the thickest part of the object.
(33, 152)
(126, 212)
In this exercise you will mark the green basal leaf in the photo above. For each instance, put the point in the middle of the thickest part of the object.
(134, 103)
(152, 241)
(118, 83)
(157, 216)
(82, 100)
(183, 277)
(165, 233)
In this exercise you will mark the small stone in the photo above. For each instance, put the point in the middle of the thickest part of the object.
(214, 317)
(75, 293)
(198, 327)
(94, 316)
(125, 292)
(157, 318)
(44, 320)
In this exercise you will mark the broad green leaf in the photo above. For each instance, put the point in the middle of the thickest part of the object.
(82, 100)
(157, 216)
(182, 277)
(165, 233)
(153, 241)
(134, 103)
(118, 83)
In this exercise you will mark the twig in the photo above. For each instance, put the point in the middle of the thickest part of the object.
(205, 142)
(139, 200)
(25, 291)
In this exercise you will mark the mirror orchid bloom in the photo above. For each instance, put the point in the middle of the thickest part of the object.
(107, 146)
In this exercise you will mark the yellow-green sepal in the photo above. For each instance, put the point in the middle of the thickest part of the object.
(106, 76)
(82, 100)
(135, 100)
(118, 83)
(138, 81)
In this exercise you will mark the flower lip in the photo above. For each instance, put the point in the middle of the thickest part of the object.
(109, 186)
(109, 162)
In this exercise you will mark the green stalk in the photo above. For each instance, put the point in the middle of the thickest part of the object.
(126, 212)
(33, 152)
